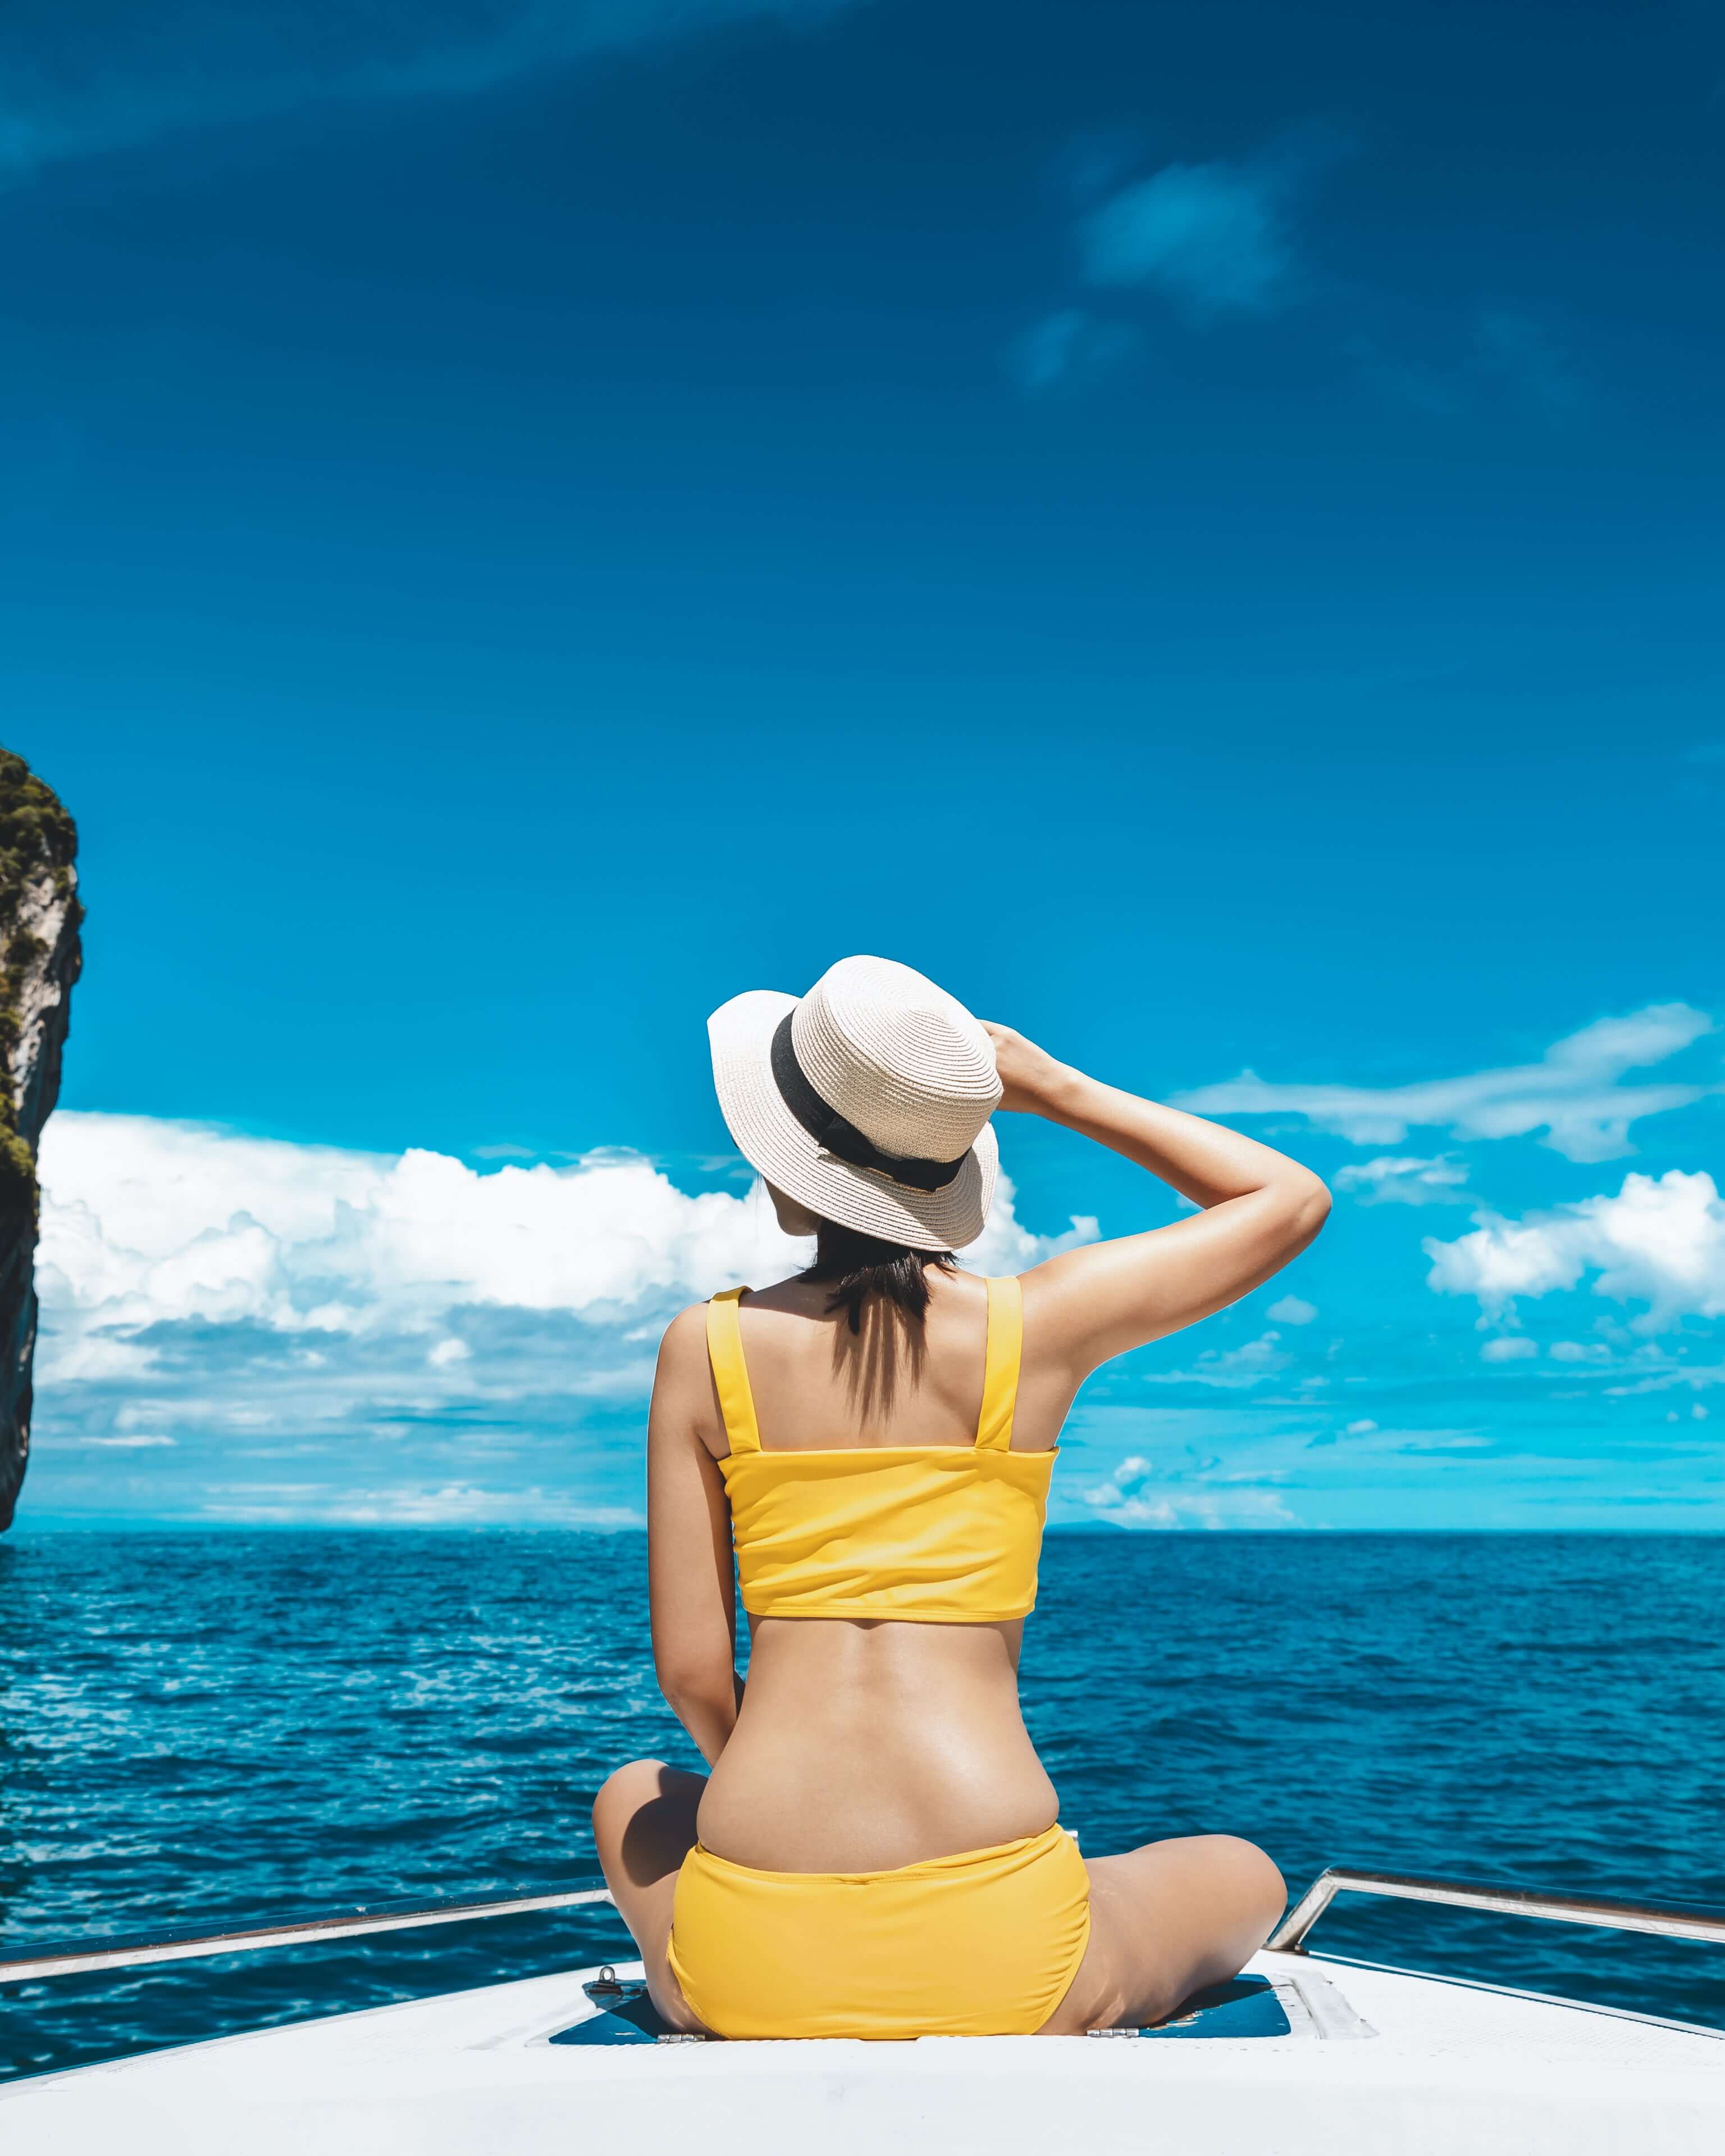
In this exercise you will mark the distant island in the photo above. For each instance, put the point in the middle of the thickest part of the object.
(40, 955)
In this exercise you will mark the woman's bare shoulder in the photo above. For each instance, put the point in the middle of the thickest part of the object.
(685, 1405)
(683, 1343)
(686, 1330)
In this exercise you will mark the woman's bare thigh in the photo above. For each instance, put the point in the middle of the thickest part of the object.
(1165, 1920)
(643, 1823)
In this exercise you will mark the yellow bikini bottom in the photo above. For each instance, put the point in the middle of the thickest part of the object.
(984, 1944)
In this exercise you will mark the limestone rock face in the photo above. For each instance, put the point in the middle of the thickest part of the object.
(40, 953)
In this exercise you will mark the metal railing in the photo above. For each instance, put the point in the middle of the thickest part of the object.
(1289, 1936)
(75, 1957)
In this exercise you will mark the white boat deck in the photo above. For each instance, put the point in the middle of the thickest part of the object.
(1377, 2063)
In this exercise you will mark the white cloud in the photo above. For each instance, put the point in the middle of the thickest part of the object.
(1660, 1241)
(1239, 1508)
(1230, 1367)
(1292, 1310)
(1124, 1483)
(449, 1505)
(1364, 1428)
(1393, 1179)
(1572, 1093)
(1005, 1247)
(1650, 1368)
(202, 1285)
(1142, 1512)
(80, 86)
(121, 1444)
(145, 1222)
(1512, 1348)
(1126, 1500)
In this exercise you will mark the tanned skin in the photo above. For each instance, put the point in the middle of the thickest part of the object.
(863, 1746)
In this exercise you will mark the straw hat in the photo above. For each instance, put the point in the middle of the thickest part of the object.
(868, 1100)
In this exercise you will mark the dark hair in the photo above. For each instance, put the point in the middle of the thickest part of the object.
(860, 1266)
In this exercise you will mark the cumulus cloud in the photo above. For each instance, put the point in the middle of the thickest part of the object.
(1511, 1348)
(75, 85)
(1393, 1179)
(1127, 1481)
(1574, 1094)
(275, 1299)
(145, 1222)
(1292, 1310)
(1126, 1500)
(1659, 1241)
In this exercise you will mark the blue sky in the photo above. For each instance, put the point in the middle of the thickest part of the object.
(1197, 527)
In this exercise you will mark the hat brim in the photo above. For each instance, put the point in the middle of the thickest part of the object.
(775, 1144)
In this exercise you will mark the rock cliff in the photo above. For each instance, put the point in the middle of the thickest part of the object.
(39, 957)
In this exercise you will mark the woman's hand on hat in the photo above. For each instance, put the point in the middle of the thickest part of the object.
(1030, 1079)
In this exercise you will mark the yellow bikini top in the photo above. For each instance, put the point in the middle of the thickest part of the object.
(943, 1534)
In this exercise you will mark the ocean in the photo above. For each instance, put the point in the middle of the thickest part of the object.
(211, 1727)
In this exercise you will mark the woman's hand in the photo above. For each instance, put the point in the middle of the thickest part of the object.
(1029, 1077)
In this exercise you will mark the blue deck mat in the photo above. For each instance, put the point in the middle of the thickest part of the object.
(1247, 2006)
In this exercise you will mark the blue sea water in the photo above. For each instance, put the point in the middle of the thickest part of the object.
(211, 1727)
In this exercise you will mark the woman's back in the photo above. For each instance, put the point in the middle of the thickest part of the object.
(831, 1766)
(876, 1851)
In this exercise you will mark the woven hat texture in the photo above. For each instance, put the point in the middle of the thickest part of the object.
(896, 1056)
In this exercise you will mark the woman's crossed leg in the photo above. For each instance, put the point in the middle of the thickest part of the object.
(643, 1823)
(1166, 1919)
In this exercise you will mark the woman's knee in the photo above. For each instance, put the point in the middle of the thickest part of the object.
(643, 1821)
(622, 1794)
(1249, 1878)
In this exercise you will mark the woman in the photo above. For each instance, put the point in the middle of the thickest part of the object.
(875, 1852)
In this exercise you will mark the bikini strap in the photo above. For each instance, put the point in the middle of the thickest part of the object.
(1000, 1378)
(731, 1375)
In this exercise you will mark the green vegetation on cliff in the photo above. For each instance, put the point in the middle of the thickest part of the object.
(37, 840)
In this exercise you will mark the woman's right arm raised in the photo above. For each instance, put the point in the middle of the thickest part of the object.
(1259, 1209)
